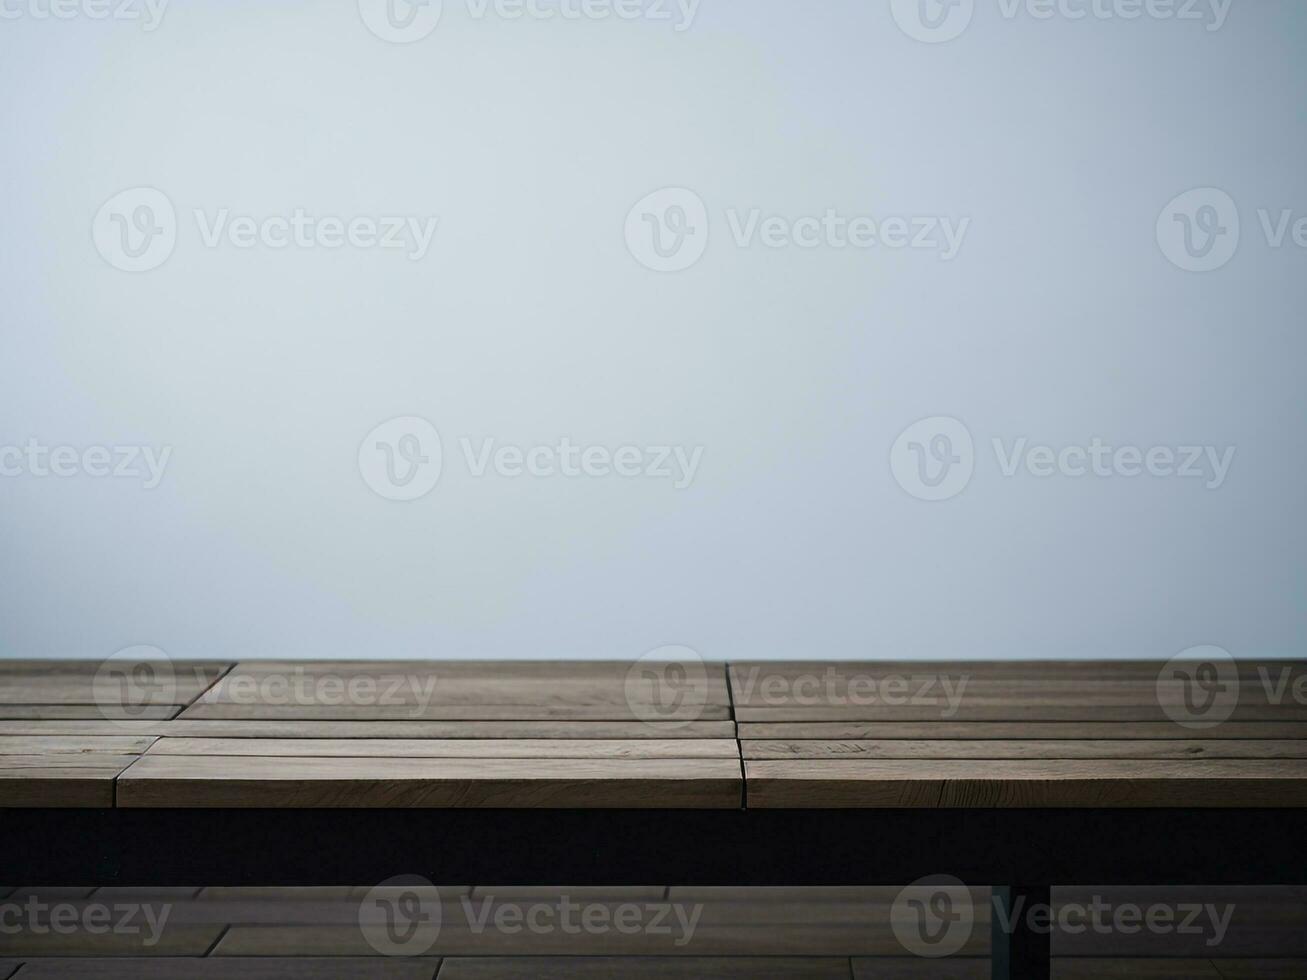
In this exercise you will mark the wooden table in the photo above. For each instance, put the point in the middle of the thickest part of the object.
(1016, 773)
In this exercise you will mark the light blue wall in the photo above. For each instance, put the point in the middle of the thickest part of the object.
(1060, 318)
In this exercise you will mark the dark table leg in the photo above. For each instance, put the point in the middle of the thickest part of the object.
(1021, 935)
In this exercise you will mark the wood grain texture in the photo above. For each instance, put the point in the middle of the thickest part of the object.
(75, 683)
(1026, 749)
(1027, 783)
(648, 968)
(1013, 709)
(922, 969)
(195, 968)
(465, 748)
(190, 728)
(86, 712)
(73, 744)
(247, 781)
(1261, 969)
(1101, 968)
(427, 712)
(985, 730)
(459, 690)
(60, 780)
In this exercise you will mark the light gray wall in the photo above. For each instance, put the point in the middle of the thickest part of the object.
(531, 318)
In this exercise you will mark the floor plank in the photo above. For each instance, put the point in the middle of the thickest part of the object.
(288, 968)
(514, 690)
(1030, 783)
(226, 781)
(1099, 748)
(60, 780)
(987, 730)
(1261, 969)
(176, 683)
(645, 968)
(920, 969)
(467, 748)
(191, 728)
(1133, 969)
(73, 744)
(88, 712)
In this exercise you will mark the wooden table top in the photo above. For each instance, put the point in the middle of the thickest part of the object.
(582, 734)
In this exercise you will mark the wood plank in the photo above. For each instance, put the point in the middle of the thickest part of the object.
(113, 931)
(428, 712)
(87, 712)
(178, 682)
(229, 781)
(1068, 968)
(863, 937)
(1261, 969)
(834, 730)
(751, 673)
(378, 729)
(1029, 783)
(1011, 708)
(555, 684)
(1026, 749)
(281, 968)
(464, 748)
(922, 969)
(60, 744)
(649, 968)
(60, 780)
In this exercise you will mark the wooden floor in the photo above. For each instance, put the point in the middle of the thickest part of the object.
(585, 734)
(813, 933)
